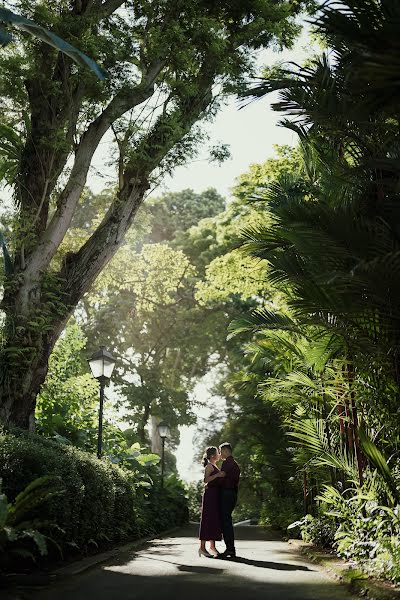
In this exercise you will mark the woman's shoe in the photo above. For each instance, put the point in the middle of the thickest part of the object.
(205, 553)
(213, 553)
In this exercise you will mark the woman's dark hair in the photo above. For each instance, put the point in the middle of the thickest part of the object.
(210, 451)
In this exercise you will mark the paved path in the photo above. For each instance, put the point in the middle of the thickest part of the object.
(169, 569)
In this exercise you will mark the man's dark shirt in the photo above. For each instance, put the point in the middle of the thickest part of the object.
(232, 470)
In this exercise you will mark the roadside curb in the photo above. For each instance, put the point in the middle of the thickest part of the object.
(9, 583)
(87, 563)
(343, 572)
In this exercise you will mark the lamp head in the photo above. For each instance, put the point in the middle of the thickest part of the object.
(163, 430)
(102, 363)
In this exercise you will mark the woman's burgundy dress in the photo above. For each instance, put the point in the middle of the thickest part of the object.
(210, 524)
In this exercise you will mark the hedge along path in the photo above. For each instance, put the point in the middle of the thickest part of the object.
(101, 503)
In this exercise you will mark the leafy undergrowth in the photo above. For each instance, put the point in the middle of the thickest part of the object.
(347, 573)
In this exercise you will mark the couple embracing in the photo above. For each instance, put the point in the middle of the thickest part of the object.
(219, 500)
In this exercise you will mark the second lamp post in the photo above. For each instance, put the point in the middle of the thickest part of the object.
(163, 431)
(102, 364)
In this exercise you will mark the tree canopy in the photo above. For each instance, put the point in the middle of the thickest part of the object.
(170, 65)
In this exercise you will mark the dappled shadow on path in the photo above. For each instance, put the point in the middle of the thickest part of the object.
(169, 568)
(263, 564)
(116, 585)
(187, 568)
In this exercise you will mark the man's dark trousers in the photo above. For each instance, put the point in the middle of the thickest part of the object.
(228, 503)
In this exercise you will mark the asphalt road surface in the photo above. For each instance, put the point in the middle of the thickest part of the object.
(169, 569)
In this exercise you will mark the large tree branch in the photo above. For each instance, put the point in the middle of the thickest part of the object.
(54, 107)
(82, 268)
(109, 7)
(98, 7)
(69, 197)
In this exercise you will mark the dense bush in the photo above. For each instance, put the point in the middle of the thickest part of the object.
(167, 506)
(20, 535)
(369, 529)
(319, 530)
(279, 512)
(194, 494)
(101, 502)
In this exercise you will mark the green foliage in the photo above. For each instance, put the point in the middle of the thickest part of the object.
(288, 162)
(146, 306)
(68, 402)
(171, 66)
(195, 494)
(168, 505)
(279, 510)
(368, 531)
(328, 355)
(175, 212)
(11, 144)
(8, 268)
(321, 347)
(22, 531)
(317, 530)
(101, 503)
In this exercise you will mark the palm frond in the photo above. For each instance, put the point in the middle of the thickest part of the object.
(377, 459)
(261, 318)
(29, 26)
(311, 434)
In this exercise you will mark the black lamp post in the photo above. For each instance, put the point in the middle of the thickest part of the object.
(163, 431)
(102, 364)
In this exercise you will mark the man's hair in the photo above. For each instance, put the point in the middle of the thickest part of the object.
(226, 446)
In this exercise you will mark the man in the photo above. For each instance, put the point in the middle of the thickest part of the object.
(229, 491)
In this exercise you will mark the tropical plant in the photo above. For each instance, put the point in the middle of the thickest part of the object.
(322, 345)
(48, 37)
(24, 531)
(329, 242)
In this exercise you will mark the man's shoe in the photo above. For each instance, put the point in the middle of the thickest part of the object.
(227, 554)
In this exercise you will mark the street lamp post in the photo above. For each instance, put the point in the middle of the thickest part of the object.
(101, 364)
(163, 431)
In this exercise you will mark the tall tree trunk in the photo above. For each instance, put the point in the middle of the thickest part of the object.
(156, 445)
(354, 421)
(24, 367)
(144, 421)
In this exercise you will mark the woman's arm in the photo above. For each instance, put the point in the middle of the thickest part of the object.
(207, 474)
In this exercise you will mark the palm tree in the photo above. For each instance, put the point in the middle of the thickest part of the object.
(331, 238)
(335, 239)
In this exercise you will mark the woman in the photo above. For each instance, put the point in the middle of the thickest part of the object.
(210, 525)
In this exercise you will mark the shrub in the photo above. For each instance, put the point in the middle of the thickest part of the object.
(168, 506)
(319, 530)
(102, 502)
(369, 534)
(279, 512)
(195, 492)
(369, 530)
(21, 534)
